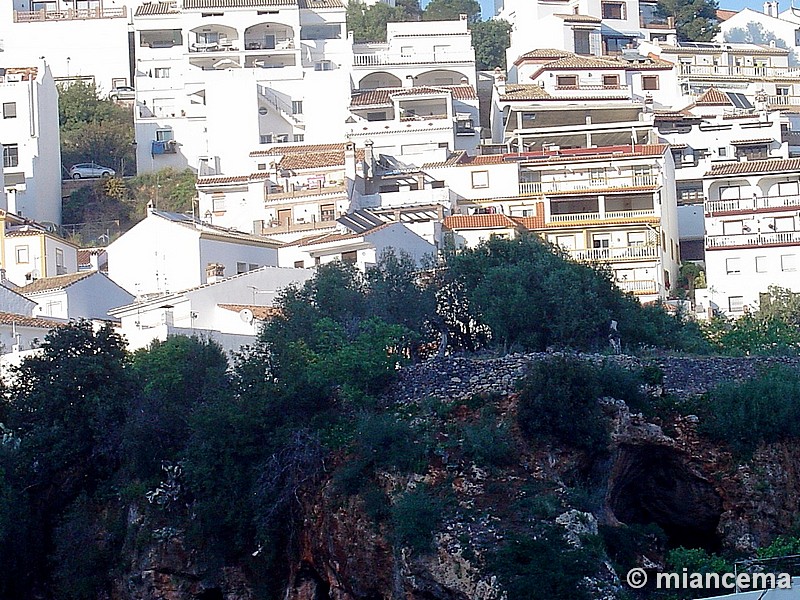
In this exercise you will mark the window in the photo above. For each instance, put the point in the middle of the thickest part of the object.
(788, 262)
(298, 137)
(265, 138)
(480, 179)
(9, 110)
(22, 254)
(732, 227)
(218, 203)
(566, 241)
(761, 264)
(581, 42)
(298, 264)
(252, 267)
(637, 238)
(161, 72)
(241, 268)
(567, 81)
(649, 82)
(161, 38)
(611, 81)
(297, 107)
(10, 155)
(406, 51)
(376, 116)
(327, 212)
(613, 10)
(722, 152)
(350, 257)
(754, 152)
(323, 65)
(784, 224)
(736, 303)
(321, 32)
(165, 135)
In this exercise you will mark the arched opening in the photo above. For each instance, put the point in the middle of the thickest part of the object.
(653, 484)
(269, 36)
(438, 77)
(381, 79)
(213, 38)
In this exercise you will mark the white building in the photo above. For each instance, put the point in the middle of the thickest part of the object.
(214, 79)
(86, 295)
(31, 251)
(30, 139)
(84, 40)
(229, 311)
(751, 26)
(613, 205)
(362, 249)
(752, 231)
(168, 251)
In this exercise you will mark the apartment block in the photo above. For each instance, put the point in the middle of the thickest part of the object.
(30, 140)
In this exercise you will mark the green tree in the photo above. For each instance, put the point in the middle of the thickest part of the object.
(695, 20)
(449, 10)
(95, 129)
(491, 39)
(368, 23)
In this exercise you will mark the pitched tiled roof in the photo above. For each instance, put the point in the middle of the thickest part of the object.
(462, 159)
(755, 166)
(724, 15)
(536, 222)
(236, 3)
(713, 97)
(383, 96)
(225, 179)
(156, 8)
(25, 321)
(326, 238)
(518, 91)
(316, 4)
(545, 53)
(261, 313)
(315, 160)
(491, 221)
(27, 73)
(49, 284)
(583, 62)
(288, 148)
(578, 18)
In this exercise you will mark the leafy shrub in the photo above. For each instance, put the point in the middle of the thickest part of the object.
(746, 413)
(697, 560)
(389, 443)
(542, 565)
(626, 543)
(558, 400)
(488, 443)
(416, 515)
(780, 546)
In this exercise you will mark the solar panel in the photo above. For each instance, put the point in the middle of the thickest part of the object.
(739, 100)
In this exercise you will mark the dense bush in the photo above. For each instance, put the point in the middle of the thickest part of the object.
(488, 442)
(416, 515)
(559, 400)
(763, 409)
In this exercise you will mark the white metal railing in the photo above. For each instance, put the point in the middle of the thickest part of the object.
(599, 216)
(572, 217)
(754, 203)
(753, 239)
(783, 100)
(739, 71)
(69, 14)
(530, 187)
(616, 253)
(638, 286)
(381, 58)
(646, 180)
(628, 214)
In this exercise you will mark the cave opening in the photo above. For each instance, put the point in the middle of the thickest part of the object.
(653, 484)
(307, 576)
(211, 594)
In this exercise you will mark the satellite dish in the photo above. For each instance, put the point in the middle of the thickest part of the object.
(246, 315)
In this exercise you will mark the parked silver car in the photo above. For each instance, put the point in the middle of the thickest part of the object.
(90, 169)
(122, 92)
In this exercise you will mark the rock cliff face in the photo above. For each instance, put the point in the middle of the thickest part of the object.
(656, 472)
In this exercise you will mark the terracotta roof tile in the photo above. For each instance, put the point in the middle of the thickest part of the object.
(571, 18)
(261, 313)
(713, 97)
(752, 141)
(545, 53)
(724, 15)
(517, 91)
(490, 221)
(25, 321)
(583, 62)
(156, 8)
(313, 240)
(317, 4)
(383, 96)
(755, 166)
(59, 282)
(536, 222)
(27, 73)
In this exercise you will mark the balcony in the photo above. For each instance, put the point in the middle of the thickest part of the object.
(568, 218)
(775, 238)
(69, 14)
(272, 228)
(638, 286)
(584, 185)
(751, 71)
(656, 22)
(622, 253)
(163, 147)
(380, 59)
(752, 204)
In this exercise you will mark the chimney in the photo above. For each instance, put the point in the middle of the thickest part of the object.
(350, 161)
(369, 160)
(771, 8)
(500, 81)
(408, 82)
(215, 272)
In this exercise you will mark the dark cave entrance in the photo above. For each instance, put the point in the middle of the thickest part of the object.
(211, 594)
(653, 484)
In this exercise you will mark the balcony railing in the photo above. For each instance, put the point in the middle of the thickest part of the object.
(657, 23)
(638, 286)
(783, 100)
(751, 204)
(598, 216)
(378, 59)
(621, 253)
(405, 118)
(69, 14)
(738, 71)
(775, 238)
(584, 185)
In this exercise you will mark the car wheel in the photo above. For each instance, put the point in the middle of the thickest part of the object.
(76, 175)
(105, 174)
